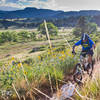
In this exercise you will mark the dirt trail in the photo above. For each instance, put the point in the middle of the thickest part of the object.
(97, 69)
(96, 73)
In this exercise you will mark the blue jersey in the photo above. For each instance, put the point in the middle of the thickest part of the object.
(85, 46)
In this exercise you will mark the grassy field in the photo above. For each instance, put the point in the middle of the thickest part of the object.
(28, 66)
(38, 61)
(12, 49)
(24, 49)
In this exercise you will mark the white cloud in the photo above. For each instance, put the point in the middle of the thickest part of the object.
(11, 5)
(65, 5)
(3, 1)
(48, 4)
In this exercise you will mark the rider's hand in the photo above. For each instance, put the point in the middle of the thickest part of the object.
(93, 47)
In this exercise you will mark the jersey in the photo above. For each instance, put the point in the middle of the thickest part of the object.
(85, 45)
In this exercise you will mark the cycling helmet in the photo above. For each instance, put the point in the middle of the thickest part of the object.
(85, 36)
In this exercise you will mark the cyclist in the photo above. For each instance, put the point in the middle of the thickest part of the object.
(87, 46)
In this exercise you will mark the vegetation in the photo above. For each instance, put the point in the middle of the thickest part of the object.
(47, 68)
(83, 26)
(43, 71)
(53, 30)
(91, 90)
(23, 36)
(8, 36)
(91, 87)
(12, 36)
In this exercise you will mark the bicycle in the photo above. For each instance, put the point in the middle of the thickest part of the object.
(82, 67)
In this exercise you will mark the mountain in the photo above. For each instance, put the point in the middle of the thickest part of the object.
(32, 17)
(30, 12)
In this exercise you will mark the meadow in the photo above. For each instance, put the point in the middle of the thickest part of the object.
(29, 65)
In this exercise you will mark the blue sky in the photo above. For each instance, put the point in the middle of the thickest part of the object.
(65, 5)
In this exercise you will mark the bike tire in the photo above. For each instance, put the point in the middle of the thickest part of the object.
(90, 69)
(77, 75)
(78, 78)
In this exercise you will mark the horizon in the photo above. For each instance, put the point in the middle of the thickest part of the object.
(62, 5)
(15, 9)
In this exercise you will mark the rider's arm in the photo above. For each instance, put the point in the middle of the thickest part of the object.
(92, 44)
(77, 44)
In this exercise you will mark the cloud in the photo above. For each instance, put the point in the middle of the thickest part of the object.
(65, 5)
(2, 1)
(45, 4)
(8, 3)
(29, 3)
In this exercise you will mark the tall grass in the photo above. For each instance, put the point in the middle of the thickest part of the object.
(46, 69)
(91, 88)
(42, 72)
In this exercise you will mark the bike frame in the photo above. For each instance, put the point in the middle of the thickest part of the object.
(84, 61)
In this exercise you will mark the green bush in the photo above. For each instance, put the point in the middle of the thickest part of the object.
(8, 36)
(24, 35)
(53, 30)
(13, 36)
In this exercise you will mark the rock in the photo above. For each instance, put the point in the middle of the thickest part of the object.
(66, 91)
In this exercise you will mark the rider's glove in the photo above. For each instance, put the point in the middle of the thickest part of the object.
(91, 48)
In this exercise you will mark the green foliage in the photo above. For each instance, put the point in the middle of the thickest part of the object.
(13, 36)
(91, 28)
(83, 26)
(49, 67)
(53, 30)
(91, 90)
(82, 22)
(1, 25)
(77, 31)
(8, 36)
(24, 35)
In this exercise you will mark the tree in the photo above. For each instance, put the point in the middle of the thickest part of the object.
(1, 25)
(91, 28)
(53, 30)
(83, 26)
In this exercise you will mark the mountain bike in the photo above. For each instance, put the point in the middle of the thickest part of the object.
(82, 67)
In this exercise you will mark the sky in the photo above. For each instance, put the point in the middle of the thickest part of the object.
(65, 5)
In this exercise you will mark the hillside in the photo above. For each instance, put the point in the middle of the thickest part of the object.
(28, 13)
(32, 17)
(45, 13)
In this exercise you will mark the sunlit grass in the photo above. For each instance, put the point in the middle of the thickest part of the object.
(56, 64)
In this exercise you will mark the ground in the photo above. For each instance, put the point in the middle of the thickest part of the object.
(22, 50)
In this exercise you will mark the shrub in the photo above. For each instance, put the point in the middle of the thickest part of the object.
(8, 36)
(53, 30)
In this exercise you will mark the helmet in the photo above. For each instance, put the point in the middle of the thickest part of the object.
(85, 36)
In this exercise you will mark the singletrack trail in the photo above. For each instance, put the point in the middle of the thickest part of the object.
(96, 73)
(97, 69)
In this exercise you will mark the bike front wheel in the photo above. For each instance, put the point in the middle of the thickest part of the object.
(78, 73)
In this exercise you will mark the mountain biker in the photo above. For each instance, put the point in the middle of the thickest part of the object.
(87, 46)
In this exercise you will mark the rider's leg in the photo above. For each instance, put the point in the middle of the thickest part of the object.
(90, 64)
(90, 54)
(90, 59)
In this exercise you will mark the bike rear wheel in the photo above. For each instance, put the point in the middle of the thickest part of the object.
(90, 69)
